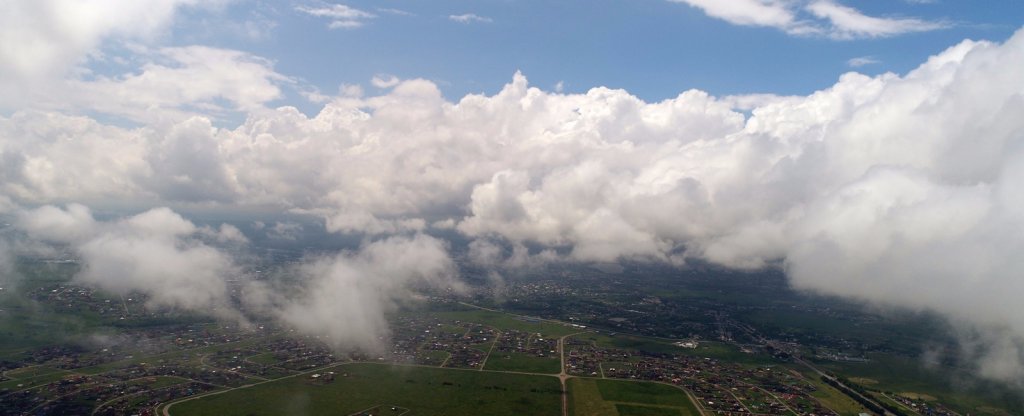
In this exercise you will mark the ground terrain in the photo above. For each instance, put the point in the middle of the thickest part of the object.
(584, 343)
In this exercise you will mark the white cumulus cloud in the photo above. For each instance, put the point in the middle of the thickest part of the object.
(345, 297)
(157, 252)
(42, 40)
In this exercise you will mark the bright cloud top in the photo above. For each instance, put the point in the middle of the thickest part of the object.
(43, 36)
(157, 252)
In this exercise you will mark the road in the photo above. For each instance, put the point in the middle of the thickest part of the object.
(562, 376)
(490, 350)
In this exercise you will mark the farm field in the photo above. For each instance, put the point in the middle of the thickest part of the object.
(424, 391)
(595, 397)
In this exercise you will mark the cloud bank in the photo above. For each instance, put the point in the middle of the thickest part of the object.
(894, 189)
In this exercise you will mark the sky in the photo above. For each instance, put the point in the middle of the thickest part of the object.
(872, 149)
(653, 48)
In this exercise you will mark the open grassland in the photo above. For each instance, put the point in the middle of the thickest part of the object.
(642, 392)
(425, 391)
(595, 397)
(33, 371)
(634, 410)
(37, 377)
(585, 399)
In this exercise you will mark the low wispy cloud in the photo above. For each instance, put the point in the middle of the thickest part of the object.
(826, 18)
(385, 81)
(746, 12)
(342, 16)
(399, 12)
(862, 61)
(469, 18)
(850, 23)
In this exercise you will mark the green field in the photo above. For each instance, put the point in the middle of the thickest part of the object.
(425, 391)
(647, 393)
(27, 380)
(634, 410)
(585, 399)
(33, 371)
(524, 363)
(596, 397)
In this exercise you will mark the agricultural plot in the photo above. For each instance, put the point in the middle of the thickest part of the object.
(592, 397)
(356, 387)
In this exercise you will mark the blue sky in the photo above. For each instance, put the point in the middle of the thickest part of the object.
(653, 48)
